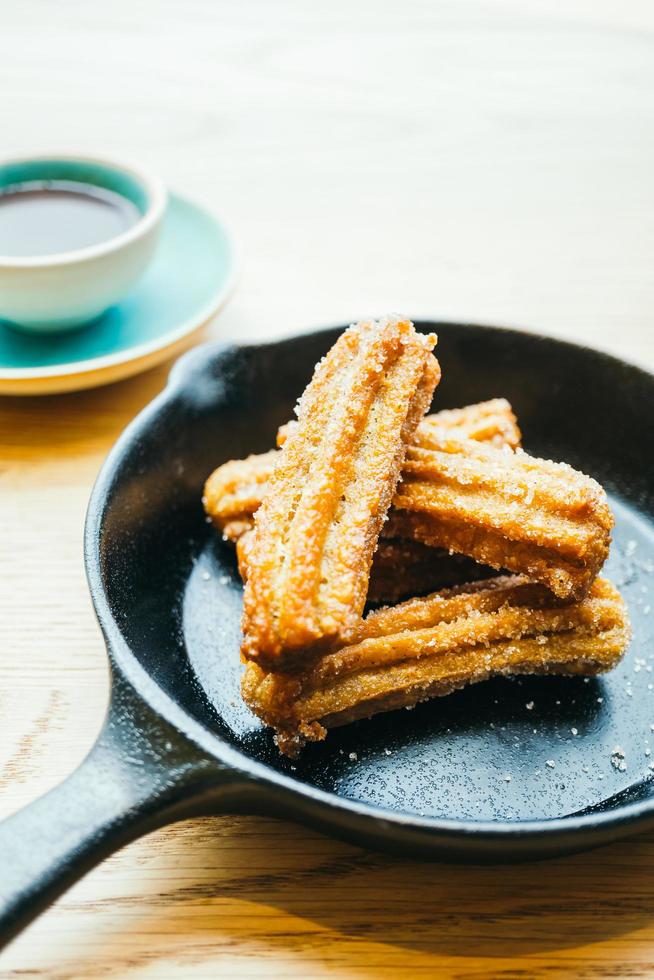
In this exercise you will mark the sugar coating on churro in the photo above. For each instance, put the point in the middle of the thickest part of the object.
(507, 510)
(515, 512)
(400, 568)
(317, 527)
(432, 646)
(234, 491)
(492, 421)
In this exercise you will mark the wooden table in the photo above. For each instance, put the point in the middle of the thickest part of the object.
(468, 159)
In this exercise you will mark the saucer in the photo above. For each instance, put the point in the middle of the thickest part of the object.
(190, 278)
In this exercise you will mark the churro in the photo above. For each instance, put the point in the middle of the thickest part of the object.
(234, 491)
(429, 647)
(507, 510)
(400, 568)
(331, 487)
(492, 421)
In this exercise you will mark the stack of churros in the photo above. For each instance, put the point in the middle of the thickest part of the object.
(368, 500)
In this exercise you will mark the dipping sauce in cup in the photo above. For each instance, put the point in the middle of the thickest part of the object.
(44, 217)
(75, 235)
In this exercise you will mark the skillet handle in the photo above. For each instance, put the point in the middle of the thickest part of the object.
(140, 774)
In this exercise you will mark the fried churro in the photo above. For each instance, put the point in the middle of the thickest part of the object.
(507, 510)
(234, 491)
(429, 647)
(492, 421)
(400, 568)
(331, 486)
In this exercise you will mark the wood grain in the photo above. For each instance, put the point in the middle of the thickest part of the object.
(472, 159)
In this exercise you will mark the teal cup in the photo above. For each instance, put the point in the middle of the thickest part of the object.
(64, 290)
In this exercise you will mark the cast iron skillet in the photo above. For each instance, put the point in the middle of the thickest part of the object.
(432, 782)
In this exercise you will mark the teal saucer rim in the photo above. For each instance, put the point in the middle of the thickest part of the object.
(127, 354)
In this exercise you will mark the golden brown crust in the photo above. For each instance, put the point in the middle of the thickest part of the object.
(492, 421)
(234, 491)
(431, 646)
(507, 510)
(400, 568)
(243, 545)
(332, 484)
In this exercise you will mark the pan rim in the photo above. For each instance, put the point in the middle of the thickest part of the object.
(568, 827)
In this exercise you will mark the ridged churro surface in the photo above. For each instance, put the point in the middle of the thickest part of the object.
(431, 646)
(492, 421)
(317, 527)
(400, 568)
(507, 510)
(234, 491)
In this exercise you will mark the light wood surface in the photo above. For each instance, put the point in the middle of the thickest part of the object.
(469, 159)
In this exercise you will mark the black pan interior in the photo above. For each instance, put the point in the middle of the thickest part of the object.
(507, 750)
